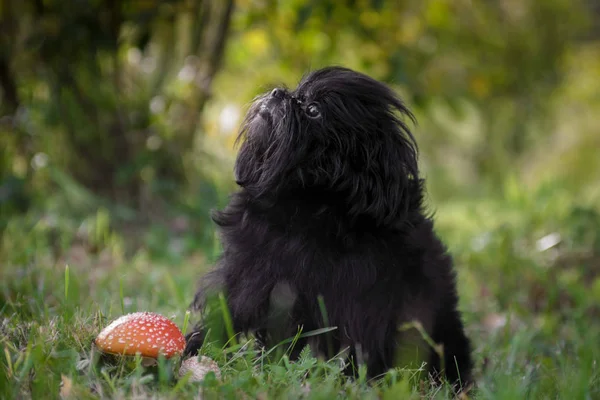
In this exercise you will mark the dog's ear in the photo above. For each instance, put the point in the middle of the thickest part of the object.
(384, 181)
(386, 176)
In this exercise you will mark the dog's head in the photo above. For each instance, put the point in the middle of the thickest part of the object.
(340, 136)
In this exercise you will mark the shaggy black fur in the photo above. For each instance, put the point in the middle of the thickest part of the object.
(331, 205)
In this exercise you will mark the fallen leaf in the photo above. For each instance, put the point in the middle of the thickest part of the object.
(65, 386)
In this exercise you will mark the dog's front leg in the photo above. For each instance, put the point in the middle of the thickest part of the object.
(229, 307)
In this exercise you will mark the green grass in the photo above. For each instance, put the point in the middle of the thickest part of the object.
(532, 312)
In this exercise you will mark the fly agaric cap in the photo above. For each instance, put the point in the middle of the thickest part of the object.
(145, 333)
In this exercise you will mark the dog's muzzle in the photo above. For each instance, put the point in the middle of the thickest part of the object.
(272, 103)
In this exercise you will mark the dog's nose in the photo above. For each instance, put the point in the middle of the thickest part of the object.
(277, 93)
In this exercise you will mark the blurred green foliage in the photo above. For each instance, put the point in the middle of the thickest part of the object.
(90, 88)
(139, 100)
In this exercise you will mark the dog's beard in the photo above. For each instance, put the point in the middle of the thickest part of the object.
(271, 148)
(357, 154)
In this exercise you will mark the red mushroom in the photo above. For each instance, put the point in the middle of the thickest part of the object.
(145, 333)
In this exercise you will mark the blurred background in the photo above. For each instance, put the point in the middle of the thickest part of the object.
(118, 119)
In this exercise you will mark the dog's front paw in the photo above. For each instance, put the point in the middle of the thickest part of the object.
(193, 342)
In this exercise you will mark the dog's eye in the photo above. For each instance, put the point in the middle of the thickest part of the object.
(312, 110)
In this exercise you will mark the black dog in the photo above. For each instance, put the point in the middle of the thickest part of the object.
(328, 229)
